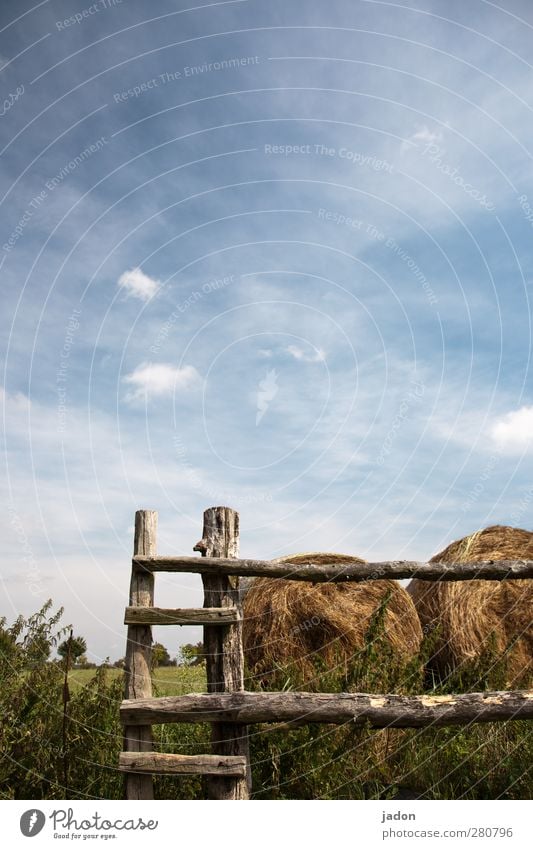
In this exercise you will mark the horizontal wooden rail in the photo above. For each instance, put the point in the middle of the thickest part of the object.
(159, 762)
(181, 616)
(489, 570)
(381, 711)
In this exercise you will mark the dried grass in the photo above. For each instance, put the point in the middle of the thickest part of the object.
(304, 629)
(473, 615)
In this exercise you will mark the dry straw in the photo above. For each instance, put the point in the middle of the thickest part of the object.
(304, 629)
(472, 616)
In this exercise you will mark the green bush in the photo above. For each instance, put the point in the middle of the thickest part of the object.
(49, 752)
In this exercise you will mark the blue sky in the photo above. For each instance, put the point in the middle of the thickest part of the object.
(274, 255)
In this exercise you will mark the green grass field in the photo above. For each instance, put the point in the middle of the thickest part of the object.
(166, 681)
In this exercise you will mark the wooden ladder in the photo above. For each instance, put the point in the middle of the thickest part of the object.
(228, 766)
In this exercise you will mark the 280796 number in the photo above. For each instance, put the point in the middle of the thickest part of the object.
(490, 831)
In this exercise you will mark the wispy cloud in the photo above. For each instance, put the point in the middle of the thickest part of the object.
(267, 391)
(160, 379)
(318, 355)
(422, 135)
(137, 284)
(12, 402)
(513, 432)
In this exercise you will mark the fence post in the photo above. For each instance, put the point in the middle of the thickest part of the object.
(138, 682)
(223, 647)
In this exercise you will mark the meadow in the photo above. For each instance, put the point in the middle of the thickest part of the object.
(166, 680)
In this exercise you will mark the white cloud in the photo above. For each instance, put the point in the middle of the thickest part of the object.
(514, 431)
(13, 402)
(138, 284)
(268, 389)
(299, 354)
(160, 379)
(423, 134)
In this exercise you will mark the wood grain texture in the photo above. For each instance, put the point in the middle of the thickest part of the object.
(138, 682)
(181, 616)
(381, 711)
(223, 646)
(491, 570)
(159, 762)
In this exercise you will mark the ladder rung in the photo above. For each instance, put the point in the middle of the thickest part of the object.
(181, 616)
(158, 762)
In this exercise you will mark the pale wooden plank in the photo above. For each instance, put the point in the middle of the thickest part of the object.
(138, 682)
(490, 570)
(223, 648)
(166, 763)
(181, 616)
(381, 711)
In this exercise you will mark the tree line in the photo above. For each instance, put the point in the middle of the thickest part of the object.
(75, 648)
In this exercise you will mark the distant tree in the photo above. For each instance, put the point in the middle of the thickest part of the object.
(191, 654)
(120, 663)
(160, 656)
(78, 647)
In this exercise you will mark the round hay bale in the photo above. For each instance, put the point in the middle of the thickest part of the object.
(472, 615)
(302, 629)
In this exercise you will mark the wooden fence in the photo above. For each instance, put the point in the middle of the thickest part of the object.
(226, 705)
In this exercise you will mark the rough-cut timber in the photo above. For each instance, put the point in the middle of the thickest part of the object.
(491, 570)
(183, 616)
(138, 682)
(159, 762)
(381, 711)
(223, 646)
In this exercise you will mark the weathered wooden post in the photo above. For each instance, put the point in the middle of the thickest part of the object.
(223, 647)
(138, 683)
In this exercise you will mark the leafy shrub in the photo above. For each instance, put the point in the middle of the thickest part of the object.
(48, 751)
